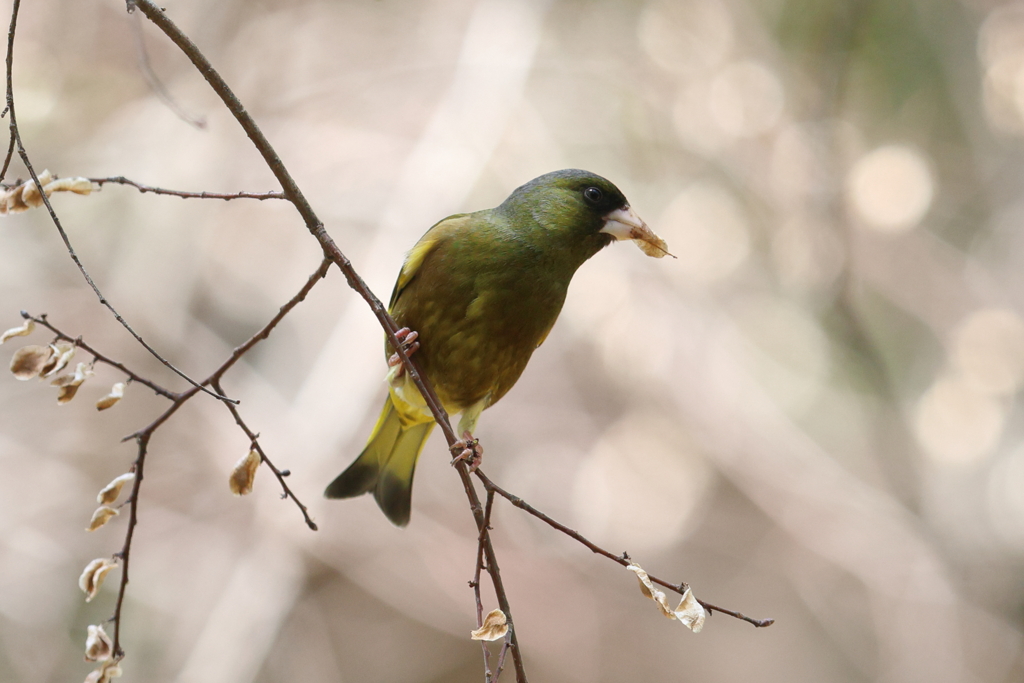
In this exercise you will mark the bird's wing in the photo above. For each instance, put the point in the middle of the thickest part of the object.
(545, 335)
(414, 259)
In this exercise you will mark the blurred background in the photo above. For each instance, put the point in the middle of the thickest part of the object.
(811, 415)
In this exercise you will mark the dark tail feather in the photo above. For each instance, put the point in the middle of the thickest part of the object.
(361, 476)
(386, 466)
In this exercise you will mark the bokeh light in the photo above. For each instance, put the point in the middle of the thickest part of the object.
(686, 36)
(1005, 502)
(890, 188)
(640, 485)
(708, 232)
(1001, 48)
(745, 99)
(988, 348)
(956, 423)
(787, 351)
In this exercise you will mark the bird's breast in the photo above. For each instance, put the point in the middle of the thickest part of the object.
(477, 333)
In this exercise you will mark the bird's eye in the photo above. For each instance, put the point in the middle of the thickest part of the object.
(593, 195)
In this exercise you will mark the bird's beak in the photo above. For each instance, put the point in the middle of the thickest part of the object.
(624, 224)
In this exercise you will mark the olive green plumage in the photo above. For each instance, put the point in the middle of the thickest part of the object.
(483, 290)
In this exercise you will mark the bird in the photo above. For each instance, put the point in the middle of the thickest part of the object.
(476, 295)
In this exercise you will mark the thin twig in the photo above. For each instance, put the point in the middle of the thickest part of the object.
(492, 568)
(77, 341)
(506, 645)
(475, 583)
(319, 274)
(121, 180)
(157, 85)
(125, 554)
(9, 104)
(240, 351)
(253, 439)
(622, 559)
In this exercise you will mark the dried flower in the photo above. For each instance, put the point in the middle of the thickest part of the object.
(107, 670)
(101, 516)
(98, 646)
(244, 474)
(495, 627)
(649, 242)
(61, 354)
(30, 193)
(69, 383)
(26, 195)
(115, 395)
(76, 185)
(28, 361)
(93, 575)
(689, 612)
(21, 331)
(109, 493)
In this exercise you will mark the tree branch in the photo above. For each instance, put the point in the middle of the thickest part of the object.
(121, 180)
(125, 554)
(80, 343)
(622, 559)
(254, 440)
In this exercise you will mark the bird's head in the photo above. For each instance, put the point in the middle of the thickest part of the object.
(584, 208)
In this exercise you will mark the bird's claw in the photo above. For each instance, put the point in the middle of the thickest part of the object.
(469, 450)
(407, 338)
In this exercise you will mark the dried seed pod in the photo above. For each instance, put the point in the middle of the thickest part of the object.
(93, 575)
(21, 331)
(101, 516)
(26, 195)
(115, 395)
(244, 473)
(30, 193)
(28, 361)
(76, 185)
(109, 493)
(98, 647)
(61, 354)
(495, 627)
(69, 383)
(106, 671)
(689, 612)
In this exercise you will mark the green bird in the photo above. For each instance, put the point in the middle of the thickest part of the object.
(481, 291)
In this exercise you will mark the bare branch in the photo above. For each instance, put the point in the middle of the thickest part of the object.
(475, 583)
(311, 281)
(622, 559)
(121, 180)
(240, 351)
(77, 341)
(9, 104)
(254, 440)
(157, 85)
(125, 554)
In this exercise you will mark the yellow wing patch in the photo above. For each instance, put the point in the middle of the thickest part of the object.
(414, 259)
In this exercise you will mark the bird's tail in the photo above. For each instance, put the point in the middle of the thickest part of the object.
(386, 465)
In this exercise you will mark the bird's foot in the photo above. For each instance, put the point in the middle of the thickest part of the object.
(468, 449)
(407, 338)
